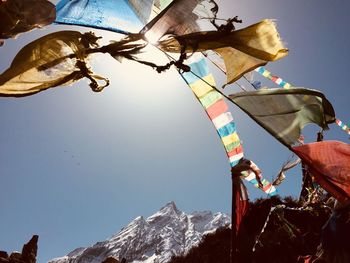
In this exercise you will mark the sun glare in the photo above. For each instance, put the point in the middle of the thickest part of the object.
(152, 37)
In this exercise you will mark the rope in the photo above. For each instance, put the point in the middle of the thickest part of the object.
(303, 208)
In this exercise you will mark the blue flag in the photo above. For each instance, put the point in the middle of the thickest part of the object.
(119, 16)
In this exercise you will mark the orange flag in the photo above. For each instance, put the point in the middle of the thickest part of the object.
(329, 162)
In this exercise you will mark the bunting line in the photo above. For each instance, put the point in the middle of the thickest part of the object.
(202, 84)
(343, 126)
(215, 107)
(283, 84)
(267, 74)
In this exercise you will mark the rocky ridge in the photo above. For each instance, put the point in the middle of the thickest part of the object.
(155, 239)
(28, 255)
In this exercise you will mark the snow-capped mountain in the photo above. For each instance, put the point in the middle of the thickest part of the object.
(153, 240)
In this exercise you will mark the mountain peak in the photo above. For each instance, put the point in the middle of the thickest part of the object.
(166, 233)
(171, 206)
(139, 219)
(167, 215)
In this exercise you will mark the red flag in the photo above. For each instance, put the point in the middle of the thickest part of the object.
(329, 162)
(241, 201)
(244, 169)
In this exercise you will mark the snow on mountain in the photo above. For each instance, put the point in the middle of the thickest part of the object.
(153, 240)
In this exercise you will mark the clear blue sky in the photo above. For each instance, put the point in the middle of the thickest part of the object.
(76, 166)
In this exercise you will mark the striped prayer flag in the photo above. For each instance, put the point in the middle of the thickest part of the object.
(202, 84)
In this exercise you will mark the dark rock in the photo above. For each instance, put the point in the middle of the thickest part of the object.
(16, 257)
(28, 255)
(30, 249)
(3, 254)
(4, 257)
(111, 260)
